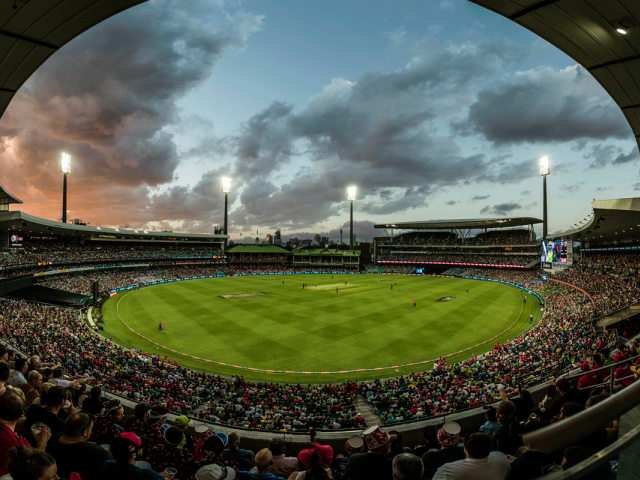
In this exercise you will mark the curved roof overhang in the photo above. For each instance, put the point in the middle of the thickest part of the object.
(464, 224)
(36, 29)
(586, 30)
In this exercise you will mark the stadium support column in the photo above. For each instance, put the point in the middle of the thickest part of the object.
(544, 171)
(65, 169)
(351, 195)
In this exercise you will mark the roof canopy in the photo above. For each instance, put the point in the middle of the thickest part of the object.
(587, 32)
(36, 29)
(19, 221)
(471, 224)
(257, 249)
(613, 220)
(6, 198)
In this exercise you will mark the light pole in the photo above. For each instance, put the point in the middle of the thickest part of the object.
(351, 196)
(226, 188)
(544, 171)
(65, 168)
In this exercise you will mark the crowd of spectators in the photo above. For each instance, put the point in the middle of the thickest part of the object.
(459, 257)
(58, 251)
(503, 237)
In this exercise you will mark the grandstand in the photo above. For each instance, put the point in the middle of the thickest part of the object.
(435, 246)
(583, 360)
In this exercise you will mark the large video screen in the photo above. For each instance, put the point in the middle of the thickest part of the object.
(557, 250)
(16, 239)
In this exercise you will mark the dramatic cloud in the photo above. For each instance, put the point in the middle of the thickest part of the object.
(545, 105)
(501, 209)
(107, 98)
(477, 198)
(602, 156)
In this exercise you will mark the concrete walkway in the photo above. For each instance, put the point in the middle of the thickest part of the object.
(365, 408)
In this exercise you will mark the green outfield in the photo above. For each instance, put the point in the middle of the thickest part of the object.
(263, 323)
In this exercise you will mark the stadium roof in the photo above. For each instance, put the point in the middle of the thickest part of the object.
(6, 198)
(34, 30)
(587, 32)
(613, 220)
(326, 251)
(452, 224)
(257, 249)
(21, 222)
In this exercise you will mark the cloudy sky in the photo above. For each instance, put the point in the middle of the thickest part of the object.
(434, 109)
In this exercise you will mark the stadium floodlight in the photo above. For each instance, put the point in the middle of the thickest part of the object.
(544, 165)
(65, 169)
(351, 193)
(621, 30)
(226, 185)
(545, 170)
(226, 188)
(65, 163)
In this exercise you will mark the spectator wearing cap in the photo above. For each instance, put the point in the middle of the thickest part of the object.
(127, 448)
(480, 462)
(353, 445)
(567, 394)
(202, 434)
(492, 423)
(11, 408)
(183, 422)
(374, 464)
(72, 451)
(212, 451)
(215, 471)
(281, 464)
(105, 427)
(449, 437)
(315, 469)
(324, 451)
(168, 455)
(244, 458)
(507, 438)
(407, 466)
(151, 426)
(16, 377)
(263, 461)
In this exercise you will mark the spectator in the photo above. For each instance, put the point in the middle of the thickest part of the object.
(263, 461)
(492, 423)
(151, 427)
(183, 422)
(5, 371)
(95, 403)
(140, 414)
(31, 389)
(481, 463)
(449, 437)
(244, 458)
(506, 438)
(127, 448)
(212, 452)
(16, 378)
(567, 394)
(168, 455)
(61, 382)
(315, 471)
(27, 463)
(105, 427)
(407, 466)
(72, 451)
(80, 395)
(215, 471)
(281, 464)
(52, 410)
(430, 435)
(202, 434)
(575, 455)
(373, 464)
(11, 408)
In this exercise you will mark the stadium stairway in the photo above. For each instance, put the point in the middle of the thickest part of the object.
(365, 408)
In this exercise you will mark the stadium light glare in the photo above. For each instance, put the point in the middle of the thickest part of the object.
(65, 163)
(544, 166)
(621, 30)
(351, 193)
(226, 185)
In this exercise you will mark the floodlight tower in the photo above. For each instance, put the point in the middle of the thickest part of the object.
(544, 171)
(351, 196)
(65, 169)
(226, 188)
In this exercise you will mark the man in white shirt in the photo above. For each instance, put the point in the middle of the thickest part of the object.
(481, 463)
(57, 379)
(16, 377)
